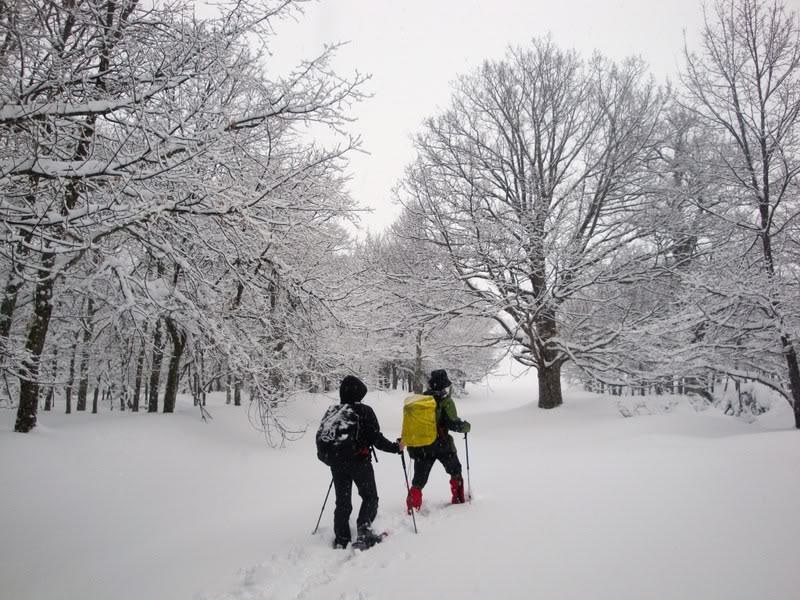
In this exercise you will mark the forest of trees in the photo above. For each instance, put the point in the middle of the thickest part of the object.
(637, 236)
(172, 223)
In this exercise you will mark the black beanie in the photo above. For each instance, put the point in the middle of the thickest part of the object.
(438, 380)
(352, 389)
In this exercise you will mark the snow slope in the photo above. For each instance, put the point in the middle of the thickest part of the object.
(574, 503)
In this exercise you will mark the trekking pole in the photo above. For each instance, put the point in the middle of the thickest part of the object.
(323, 507)
(469, 485)
(408, 489)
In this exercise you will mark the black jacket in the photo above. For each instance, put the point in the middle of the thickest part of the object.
(369, 432)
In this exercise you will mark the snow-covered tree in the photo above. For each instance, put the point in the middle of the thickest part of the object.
(530, 182)
(133, 132)
(429, 317)
(743, 87)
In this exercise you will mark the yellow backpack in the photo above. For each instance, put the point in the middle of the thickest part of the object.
(419, 421)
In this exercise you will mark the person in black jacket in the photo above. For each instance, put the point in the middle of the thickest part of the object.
(358, 469)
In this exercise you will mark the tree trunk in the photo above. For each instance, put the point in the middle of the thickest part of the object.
(549, 366)
(178, 345)
(139, 369)
(794, 377)
(796, 407)
(9, 303)
(15, 277)
(37, 334)
(83, 368)
(94, 400)
(71, 378)
(195, 388)
(155, 368)
(202, 377)
(550, 386)
(237, 393)
(419, 376)
(43, 310)
(228, 390)
(48, 403)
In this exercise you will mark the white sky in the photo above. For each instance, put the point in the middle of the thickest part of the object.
(414, 48)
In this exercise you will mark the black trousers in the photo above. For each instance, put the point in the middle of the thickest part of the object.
(344, 476)
(423, 463)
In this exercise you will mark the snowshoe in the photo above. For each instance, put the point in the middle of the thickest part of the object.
(367, 539)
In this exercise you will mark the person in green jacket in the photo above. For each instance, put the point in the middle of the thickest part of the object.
(443, 447)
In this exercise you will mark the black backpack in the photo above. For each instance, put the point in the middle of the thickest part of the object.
(338, 434)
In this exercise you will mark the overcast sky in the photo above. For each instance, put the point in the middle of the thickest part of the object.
(413, 49)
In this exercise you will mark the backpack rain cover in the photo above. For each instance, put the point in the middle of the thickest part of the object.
(419, 421)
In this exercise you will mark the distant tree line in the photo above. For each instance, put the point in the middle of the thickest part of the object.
(168, 222)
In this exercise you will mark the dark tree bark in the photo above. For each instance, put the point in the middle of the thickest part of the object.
(15, 277)
(155, 368)
(37, 334)
(94, 399)
(173, 374)
(139, 369)
(71, 378)
(9, 303)
(237, 393)
(48, 403)
(83, 368)
(794, 379)
(419, 376)
(548, 362)
(195, 385)
(202, 378)
(550, 386)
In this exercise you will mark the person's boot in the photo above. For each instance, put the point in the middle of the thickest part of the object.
(367, 538)
(340, 543)
(457, 488)
(414, 499)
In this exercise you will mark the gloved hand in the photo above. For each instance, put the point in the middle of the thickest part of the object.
(466, 427)
(400, 446)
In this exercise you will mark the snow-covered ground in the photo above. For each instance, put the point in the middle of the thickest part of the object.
(575, 503)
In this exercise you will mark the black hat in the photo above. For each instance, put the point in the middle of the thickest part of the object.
(352, 389)
(439, 380)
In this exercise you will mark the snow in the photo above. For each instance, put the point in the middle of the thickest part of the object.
(48, 167)
(573, 503)
(19, 112)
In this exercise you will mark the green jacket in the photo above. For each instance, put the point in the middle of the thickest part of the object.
(446, 420)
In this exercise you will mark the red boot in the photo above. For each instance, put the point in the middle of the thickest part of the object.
(414, 499)
(457, 488)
